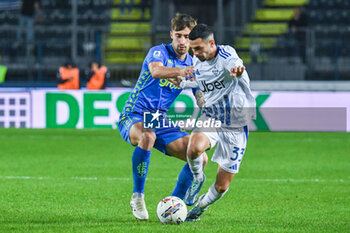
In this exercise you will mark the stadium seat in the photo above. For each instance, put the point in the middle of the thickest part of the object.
(130, 28)
(135, 14)
(264, 42)
(274, 14)
(284, 3)
(128, 43)
(266, 28)
(124, 57)
(118, 2)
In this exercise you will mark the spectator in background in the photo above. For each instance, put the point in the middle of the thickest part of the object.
(68, 76)
(26, 19)
(297, 29)
(97, 76)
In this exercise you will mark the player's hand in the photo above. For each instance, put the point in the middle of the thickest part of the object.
(176, 81)
(237, 71)
(188, 72)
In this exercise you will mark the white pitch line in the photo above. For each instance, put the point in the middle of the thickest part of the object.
(291, 180)
(294, 180)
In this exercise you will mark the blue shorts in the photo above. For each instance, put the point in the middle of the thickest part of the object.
(164, 136)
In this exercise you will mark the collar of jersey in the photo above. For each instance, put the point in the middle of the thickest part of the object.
(217, 50)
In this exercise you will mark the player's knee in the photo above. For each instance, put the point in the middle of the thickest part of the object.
(194, 150)
(148, 137)
(197, 145)
(221, 188)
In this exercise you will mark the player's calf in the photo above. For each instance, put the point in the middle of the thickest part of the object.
(196, 155)
(221, 188)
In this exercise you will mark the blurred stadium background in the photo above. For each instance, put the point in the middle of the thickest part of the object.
(258, 29)
(315, 58)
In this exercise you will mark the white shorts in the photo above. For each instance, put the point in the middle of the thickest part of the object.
(231, 145)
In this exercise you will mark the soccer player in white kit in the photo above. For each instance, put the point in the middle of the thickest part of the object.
(221, 76)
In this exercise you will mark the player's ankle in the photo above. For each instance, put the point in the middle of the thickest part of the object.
(138, 195)
(198, 177)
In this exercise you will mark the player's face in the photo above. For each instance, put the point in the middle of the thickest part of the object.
(180, 41)
(94, 66)
(201, 49)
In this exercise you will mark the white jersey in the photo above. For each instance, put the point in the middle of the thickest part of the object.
(227, 99)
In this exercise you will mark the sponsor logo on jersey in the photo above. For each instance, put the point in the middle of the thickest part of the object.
(166, 83)
(212, 86)
(197, 72)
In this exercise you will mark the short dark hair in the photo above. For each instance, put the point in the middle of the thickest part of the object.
(95, 61)
(182, 21)
(200, 31)
(69, 62)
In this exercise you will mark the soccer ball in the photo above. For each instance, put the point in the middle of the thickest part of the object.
(171, 210)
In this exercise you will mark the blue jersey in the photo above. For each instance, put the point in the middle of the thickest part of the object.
(151, 94)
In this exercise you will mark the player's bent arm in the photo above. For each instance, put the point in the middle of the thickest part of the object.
(158, 70)
(235, 67)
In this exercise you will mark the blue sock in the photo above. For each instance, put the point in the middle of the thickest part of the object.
(184, 181)
(140, 162)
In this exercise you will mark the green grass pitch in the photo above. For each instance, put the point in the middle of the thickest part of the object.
(80, 181)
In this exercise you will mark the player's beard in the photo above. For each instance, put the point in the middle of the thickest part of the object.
(201, 58)
(180, 49)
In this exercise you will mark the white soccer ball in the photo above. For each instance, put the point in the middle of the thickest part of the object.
(172, 210)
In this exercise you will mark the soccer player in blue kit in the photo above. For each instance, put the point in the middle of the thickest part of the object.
(155, 93)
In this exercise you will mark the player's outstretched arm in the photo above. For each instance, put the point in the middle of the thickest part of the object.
(158, 70)
(183, 83)
(237, 71)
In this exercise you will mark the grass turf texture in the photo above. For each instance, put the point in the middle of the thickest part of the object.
(80, 181)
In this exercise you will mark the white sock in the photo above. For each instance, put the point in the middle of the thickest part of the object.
(211, 197)
(138, 195)
(196, 166)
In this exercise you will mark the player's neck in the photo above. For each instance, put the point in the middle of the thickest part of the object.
(180, 56)
(213, 53)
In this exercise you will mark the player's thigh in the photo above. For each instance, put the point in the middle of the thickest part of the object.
(139, 135)
(178, 147)
(223, 180)
(199, 143)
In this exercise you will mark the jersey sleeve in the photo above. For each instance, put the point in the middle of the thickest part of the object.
(232, 60)
(186, 84)
(156, 54)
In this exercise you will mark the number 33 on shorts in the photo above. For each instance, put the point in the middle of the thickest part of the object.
(237, 157)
